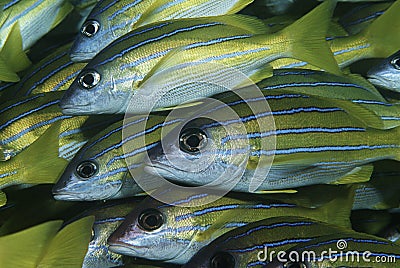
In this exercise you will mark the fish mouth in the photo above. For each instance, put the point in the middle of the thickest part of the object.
(66, 197)
(126, 250)
(69, 109)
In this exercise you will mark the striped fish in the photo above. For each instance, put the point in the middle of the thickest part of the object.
(351, 250)
(186, 228)
(302, 140)
(24, 120)
(256, 244)
(111, 19)
(105, 155)
(387, 73)
(352, 88)
(114, 75)
(55, 72)
(379, 40)
(107, 218)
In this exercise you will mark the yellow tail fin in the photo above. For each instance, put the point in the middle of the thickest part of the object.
(307, 36)
(384, 34)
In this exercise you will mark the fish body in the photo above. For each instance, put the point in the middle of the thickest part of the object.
(189, 222)
(114, 75)
(35, 18)
(112, 156)
(256, 244)
(110, 20)
(55, 72)
(107, 218)
(354, 249)
(387, 73)
(316, 141)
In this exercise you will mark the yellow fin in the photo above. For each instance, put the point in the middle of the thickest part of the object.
(66, 8)
(359, 80)
(3, 199)
(368, 117)
(6, 74)
(308, 34)
(40, 160)
(337, 211)
(23, 249)
(383, 33)
(358, 174)
(69, 246)
(12, 52)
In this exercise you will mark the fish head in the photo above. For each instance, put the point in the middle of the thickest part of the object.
(387, 74)
(153, 230)
(91, 39)
(94, 91)
(199, 153)
(87, 179)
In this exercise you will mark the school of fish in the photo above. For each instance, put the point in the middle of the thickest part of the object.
(199, 133)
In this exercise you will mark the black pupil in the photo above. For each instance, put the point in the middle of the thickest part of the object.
(222, 260)
(88, 79)
(193, 140)
(90, 29)
(151, 220)
(87, 170)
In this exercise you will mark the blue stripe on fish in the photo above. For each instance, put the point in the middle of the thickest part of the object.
(10, 4)
(33, 127)
(109, 220)
(281, 112)
(158, 38)
(273, 244)
(124, 9)
(9, 122)
(40, 68)
(53, 72)
(21, 102)
(351, 49)
(292, 131)
(23, 13)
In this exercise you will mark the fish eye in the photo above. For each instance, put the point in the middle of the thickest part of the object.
(151, 220)
(192, 140)
(86, 169)
(396, 63)
(89, 79)
(90, 28)
(294, 265)
(222, 260)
